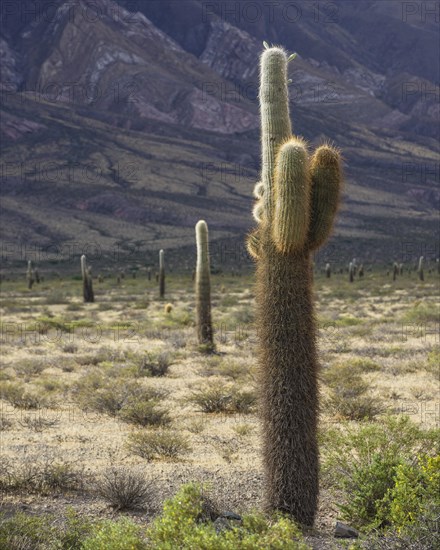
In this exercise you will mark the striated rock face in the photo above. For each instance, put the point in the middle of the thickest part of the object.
(231, 52)
(96, 53)
(10, 73)
(13, 127)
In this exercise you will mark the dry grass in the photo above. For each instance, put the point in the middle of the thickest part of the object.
(119, 367)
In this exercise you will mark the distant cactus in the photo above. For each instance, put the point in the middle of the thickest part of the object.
(203, 286)
(355, 266)
(297, 202)
(161, 273)
(420, 268)
(100, 279)
(361, 270)
(37, 275)
(400, 269)
(30, 275)
(351, 272)
(438, 265)
(395, 270)
(328, 271)
(86, 273)
(149, 273)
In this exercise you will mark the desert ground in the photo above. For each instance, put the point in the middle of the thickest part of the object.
(90, 390)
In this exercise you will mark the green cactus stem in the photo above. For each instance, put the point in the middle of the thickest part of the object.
(297, 199)
(87, 281)
(328, 271)
(203, 286)
(351, 272)
(420, 268)
(161, 273)
(30, 276)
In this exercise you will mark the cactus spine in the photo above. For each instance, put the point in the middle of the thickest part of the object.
(30, 275)
(86, 273)
(161, 273)
(420, 269)
(297, 202)
(203, 286)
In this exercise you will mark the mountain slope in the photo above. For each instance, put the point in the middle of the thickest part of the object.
(126, 128)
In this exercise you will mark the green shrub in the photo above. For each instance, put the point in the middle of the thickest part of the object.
(365, 460)
(183, 525)
(414, 498)
(123, 534)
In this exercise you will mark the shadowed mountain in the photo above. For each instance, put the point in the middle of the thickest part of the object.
(129, 125)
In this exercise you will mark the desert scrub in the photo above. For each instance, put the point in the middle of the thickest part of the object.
(364, 461)
(154, 364)
(18, 396)
(144, 413)
(222, 398)
(348, 398)
(110, 396)
(28, 368)
(183, 525)
(126, 489)
(41, 475)
(158, 444)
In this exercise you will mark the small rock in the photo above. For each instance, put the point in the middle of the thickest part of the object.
(221, 524)
(230, 515)
(343, 531)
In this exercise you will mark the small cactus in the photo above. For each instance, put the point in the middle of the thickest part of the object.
(168, 308)
(400, 269)
(203, 286)
(351, 272)
(361, 270)
(420, 268)
(328, 271)
(37, 275)
(149, 273)
(30, 275)
(86, 273)
(395, 270)
(161, 273)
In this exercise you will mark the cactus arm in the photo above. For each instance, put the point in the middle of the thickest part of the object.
(291, 197)
(253, 244)
(326, 188)
(275, 120)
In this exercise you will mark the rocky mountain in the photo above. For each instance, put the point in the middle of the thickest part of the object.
(123, 123)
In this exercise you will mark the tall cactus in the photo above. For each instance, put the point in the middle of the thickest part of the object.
(351, 272)
(297, 202)
(161, 273)
(87, 281)
(420, 268)
(30, 278)
(203, 286)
